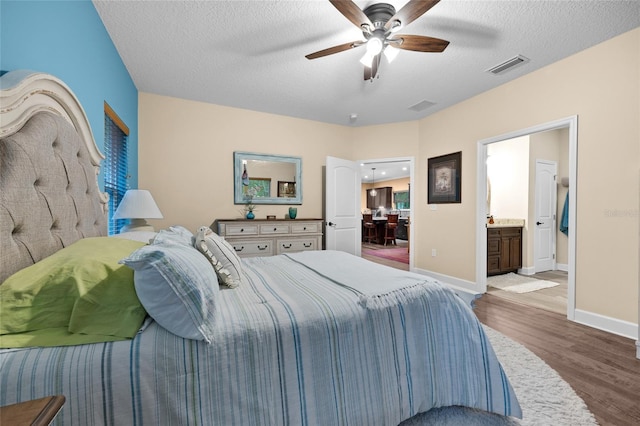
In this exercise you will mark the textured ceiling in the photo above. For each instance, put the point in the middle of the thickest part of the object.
(251, 54)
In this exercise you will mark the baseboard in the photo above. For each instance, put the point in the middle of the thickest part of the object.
(608, 324)
(638, 349)
(527, 271)
(466, 290)
(530, 270)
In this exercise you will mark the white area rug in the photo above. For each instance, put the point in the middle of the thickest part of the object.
(518, 283)
(545, 398)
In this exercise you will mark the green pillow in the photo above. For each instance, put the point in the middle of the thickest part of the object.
(81, 288)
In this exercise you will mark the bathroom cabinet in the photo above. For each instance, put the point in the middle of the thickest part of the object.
(504, 249)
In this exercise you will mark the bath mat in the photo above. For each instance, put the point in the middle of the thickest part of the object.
(518, 283)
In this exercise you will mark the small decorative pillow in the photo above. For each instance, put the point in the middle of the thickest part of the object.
(178, 288)
(174, 235)
(222, 256)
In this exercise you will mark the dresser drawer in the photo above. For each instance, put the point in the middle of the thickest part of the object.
(235, 230)
(251, 248)
(298, 244)
(306, 228)
(274, 228)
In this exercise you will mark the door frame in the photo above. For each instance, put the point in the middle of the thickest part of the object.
(412, 173)
(481, 190)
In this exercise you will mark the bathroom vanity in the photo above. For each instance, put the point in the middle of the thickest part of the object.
(504, 247)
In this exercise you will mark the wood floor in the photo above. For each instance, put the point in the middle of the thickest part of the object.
(553, 299)
(601, 367)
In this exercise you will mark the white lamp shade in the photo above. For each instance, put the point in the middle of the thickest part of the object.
(137, 204)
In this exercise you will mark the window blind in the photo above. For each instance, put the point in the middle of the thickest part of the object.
(116, 170)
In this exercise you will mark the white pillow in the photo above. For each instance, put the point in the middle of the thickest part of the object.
(142, 236)
(222, 256)
(174, 235)
(178, 288)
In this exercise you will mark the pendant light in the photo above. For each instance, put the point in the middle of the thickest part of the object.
(373, 191)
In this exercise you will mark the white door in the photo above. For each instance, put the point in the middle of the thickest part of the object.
(544, 234)
(342, 206)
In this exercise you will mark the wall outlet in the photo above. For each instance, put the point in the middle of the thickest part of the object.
(434, 253)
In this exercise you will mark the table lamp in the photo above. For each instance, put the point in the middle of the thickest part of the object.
(137, 205)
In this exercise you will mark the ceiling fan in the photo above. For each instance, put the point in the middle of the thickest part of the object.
(379, 24)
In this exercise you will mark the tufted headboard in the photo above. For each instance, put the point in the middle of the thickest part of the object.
(49, 194)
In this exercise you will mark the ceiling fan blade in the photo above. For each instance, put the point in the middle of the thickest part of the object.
(370, 72)
(420, 43)
(410, 12)
(352, 12)
(334, 49)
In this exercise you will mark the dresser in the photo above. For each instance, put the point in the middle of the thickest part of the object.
(266, 237)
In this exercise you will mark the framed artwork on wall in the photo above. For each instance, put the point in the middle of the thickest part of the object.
(257, 187)
(286, 189)
(445, 179)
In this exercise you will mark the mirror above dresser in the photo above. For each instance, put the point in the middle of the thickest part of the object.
(267, 179)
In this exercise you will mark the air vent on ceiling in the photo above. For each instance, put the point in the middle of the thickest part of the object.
(508, 65)
(421, 106)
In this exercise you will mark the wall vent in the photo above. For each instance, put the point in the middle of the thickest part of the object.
(508, 65)
(422, 105)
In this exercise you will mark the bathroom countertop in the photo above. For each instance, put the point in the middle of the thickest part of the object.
(503, 223)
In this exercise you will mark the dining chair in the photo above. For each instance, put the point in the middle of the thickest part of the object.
(371, 232)
(390, 228)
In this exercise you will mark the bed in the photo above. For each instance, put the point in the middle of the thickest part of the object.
(317, 338)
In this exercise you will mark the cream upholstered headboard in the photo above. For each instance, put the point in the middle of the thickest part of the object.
(49, 194)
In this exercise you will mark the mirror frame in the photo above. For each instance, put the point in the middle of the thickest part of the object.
(239, 157)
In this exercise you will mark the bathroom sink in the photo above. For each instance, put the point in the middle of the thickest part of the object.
(501, 223)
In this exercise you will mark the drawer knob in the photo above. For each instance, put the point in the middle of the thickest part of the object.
(307, 245)
(238, 249)
(241, 229)
(287, 246)
(275, 229)
(304, 229)
(263, 248)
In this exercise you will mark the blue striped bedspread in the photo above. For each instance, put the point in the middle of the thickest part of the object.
(291, 348)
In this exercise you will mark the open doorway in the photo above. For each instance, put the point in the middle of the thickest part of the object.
(385, 192)
(562, 251)
(526, 178)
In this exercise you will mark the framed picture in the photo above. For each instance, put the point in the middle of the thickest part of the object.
(258, 187)
(445, 177)
(286, 189)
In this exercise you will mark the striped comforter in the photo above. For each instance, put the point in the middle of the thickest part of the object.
(292, 348)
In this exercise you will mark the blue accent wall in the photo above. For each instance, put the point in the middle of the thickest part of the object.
(68, 40)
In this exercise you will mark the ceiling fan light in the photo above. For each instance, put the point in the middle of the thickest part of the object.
(390, 53)
(374, 46)
(367, 59)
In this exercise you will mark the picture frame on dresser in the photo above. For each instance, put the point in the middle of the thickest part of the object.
(445, 179)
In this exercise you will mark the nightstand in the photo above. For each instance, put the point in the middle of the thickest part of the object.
(37, 412)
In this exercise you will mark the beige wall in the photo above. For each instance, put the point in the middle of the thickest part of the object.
(186, 161)
(602, 86)
(186, 157)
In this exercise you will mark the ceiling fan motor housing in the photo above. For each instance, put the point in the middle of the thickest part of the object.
(379, 14)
